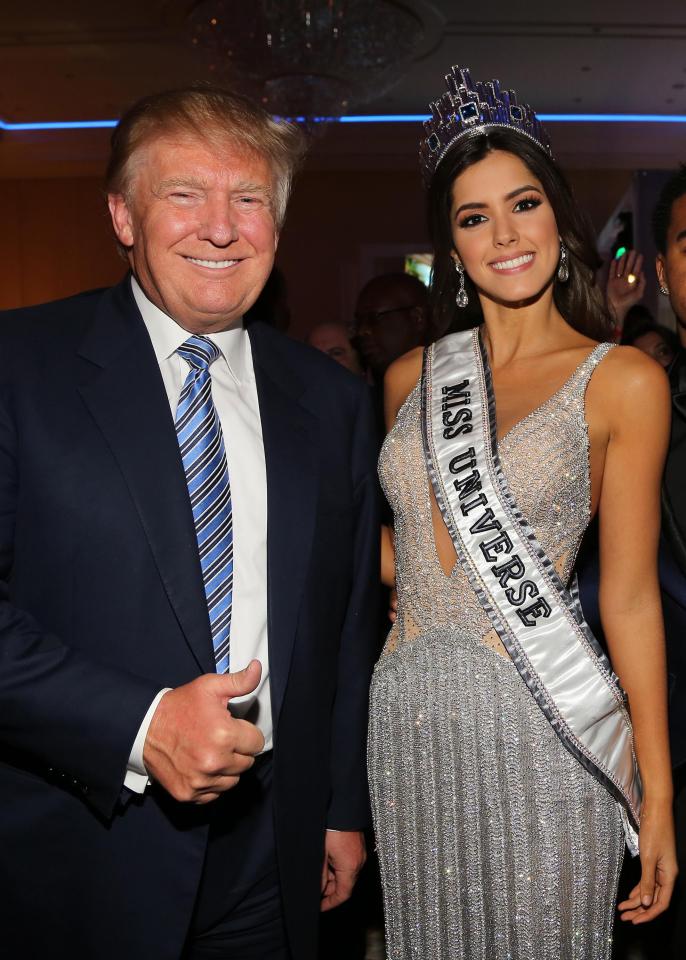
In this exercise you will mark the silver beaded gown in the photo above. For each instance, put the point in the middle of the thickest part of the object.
(494, 842)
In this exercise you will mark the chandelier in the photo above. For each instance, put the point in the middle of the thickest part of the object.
(310, 59)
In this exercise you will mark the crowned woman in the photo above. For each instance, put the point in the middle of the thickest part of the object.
(510, 760)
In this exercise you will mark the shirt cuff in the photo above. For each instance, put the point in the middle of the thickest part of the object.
(137, 778)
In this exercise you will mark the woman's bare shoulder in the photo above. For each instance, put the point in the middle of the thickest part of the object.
(628, 367)
(400, 380)
(405, 369)
(628, 378)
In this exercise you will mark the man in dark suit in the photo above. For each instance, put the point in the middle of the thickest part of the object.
(669, 232)
(188, 544)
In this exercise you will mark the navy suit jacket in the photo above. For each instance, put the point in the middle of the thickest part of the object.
(102, 604)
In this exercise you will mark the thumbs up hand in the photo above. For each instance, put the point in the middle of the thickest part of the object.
(194, 748)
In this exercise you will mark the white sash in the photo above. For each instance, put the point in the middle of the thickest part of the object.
(538, 620)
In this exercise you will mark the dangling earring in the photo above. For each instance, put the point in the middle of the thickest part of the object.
(461, 298)
(563, 266)
(663, 290)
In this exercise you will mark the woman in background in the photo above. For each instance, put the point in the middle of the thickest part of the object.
(658, 341)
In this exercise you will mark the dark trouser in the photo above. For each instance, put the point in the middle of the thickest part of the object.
(675, 921)
(238, 913)
(343, 931)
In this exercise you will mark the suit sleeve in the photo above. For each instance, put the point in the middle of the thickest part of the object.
(349, 805)
(63, 716)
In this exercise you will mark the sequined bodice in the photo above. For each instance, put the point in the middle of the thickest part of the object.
(545, 460)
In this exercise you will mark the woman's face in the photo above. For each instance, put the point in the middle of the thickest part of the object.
(504, 229)
(653, 344)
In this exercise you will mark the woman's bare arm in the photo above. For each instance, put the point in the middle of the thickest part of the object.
(636, 408)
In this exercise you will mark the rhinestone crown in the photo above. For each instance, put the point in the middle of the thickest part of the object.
(470, 108)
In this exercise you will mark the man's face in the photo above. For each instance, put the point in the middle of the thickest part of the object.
(386, 325)
(671, 267)
(331, 339)
(198, 225)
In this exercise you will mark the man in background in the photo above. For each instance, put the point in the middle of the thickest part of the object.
(391, 317)
(669, 233)
(333, 340)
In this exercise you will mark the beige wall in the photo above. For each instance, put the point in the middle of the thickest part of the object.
(54, 240)
(342, 227)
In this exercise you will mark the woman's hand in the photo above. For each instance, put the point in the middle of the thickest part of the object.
(626, 285)
(651, 895)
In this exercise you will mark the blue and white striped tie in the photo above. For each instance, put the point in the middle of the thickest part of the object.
(204, 461)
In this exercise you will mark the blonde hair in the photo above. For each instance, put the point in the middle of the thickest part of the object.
(216, 116)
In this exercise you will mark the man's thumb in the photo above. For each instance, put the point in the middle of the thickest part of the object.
(242, 682)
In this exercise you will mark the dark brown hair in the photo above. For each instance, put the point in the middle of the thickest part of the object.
(674, 189)
(578, 299)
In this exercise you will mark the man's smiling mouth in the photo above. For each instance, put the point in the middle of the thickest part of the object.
(213, 264)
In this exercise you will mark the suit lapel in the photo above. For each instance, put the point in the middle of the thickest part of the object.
(122, 387)
(289, 432)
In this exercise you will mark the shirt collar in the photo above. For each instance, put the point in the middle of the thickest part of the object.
(167, 335)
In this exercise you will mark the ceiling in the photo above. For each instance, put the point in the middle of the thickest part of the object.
(84, 59)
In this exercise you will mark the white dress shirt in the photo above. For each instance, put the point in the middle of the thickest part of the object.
(235, 397)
